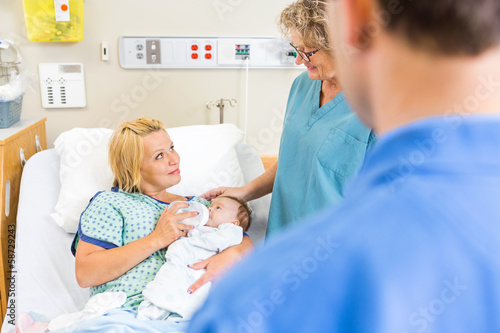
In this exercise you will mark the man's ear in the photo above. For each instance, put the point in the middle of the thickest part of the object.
(235, 222)
(354, 16)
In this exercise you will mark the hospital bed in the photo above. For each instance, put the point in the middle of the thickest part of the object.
(45, 284)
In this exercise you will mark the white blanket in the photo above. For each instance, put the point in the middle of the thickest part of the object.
(167, 295)
(96, 306)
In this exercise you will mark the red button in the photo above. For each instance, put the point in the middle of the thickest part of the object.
(194, 55)
(194, 47)
(208, 47)
(208, 56)
(64, 8)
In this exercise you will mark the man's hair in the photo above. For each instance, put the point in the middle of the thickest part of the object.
(449, 27)
(244, 214)
(126, 152)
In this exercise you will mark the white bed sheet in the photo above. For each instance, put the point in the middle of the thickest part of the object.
(45, 279)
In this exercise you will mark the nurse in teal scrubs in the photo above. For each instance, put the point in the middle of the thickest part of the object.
(323, 143)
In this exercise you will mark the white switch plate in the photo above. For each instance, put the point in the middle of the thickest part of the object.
(62, 85)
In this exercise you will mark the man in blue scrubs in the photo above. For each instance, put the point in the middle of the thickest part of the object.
(414, 247)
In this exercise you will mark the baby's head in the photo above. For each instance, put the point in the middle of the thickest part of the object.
(225, 209)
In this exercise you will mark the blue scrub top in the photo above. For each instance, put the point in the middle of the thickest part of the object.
(414, 247)
(320, 150)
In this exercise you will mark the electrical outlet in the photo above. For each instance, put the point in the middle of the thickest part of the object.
(153, 51)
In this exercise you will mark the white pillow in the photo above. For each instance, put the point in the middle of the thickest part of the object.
(84, 170)
(208, 160)
(208, 157)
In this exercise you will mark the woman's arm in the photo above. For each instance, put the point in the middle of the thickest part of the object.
(95, 265)
(218, 264)
(255, 189)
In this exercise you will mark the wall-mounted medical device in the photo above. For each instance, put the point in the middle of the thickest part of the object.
(54, 20)
(205, 52)
(62, 85)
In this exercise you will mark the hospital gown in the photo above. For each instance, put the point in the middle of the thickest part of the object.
(116, 218)
(414, 247)
(166, 297)
(320, 150)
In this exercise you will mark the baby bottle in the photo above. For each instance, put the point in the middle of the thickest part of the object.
(194, 206)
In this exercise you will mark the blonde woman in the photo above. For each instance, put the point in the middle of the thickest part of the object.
(323, 143)
(123, 233)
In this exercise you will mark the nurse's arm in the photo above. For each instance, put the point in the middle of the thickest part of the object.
(261, 185)
(255, 189)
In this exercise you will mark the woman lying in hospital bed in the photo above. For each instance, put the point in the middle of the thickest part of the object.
(123, 233)
(167, 296)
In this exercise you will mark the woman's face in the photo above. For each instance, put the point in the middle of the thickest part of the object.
(321, 67)
(160, 164)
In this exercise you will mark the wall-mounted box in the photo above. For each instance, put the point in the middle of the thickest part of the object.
(62, 85)
(54, 20)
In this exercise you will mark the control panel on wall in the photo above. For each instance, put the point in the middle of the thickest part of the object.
(62, 85)
(205, 52)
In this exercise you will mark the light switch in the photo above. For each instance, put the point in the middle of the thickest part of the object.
(105, 51)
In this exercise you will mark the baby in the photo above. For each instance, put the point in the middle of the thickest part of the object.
(166, 296)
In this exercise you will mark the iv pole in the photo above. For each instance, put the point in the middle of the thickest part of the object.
(220, 104)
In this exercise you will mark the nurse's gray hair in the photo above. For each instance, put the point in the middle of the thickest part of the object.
(310, 20)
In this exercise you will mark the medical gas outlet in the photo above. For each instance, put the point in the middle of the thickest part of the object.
(204, 52)
(242, 51)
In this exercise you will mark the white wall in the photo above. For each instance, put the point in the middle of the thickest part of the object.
(180, 96)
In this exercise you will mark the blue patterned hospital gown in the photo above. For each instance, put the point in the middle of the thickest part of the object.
(116, 218)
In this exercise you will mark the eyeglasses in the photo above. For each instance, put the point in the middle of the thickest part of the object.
(306, 56)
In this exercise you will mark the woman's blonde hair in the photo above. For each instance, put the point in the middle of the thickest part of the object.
(126, 152)
(309, 18)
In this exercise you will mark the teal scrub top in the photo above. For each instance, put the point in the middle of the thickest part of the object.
(321, 149)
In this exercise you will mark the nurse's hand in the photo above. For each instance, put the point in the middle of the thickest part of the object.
(216, 265)
(237, 192)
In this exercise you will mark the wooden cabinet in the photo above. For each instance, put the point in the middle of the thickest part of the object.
(268, 160)
(17, 144)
